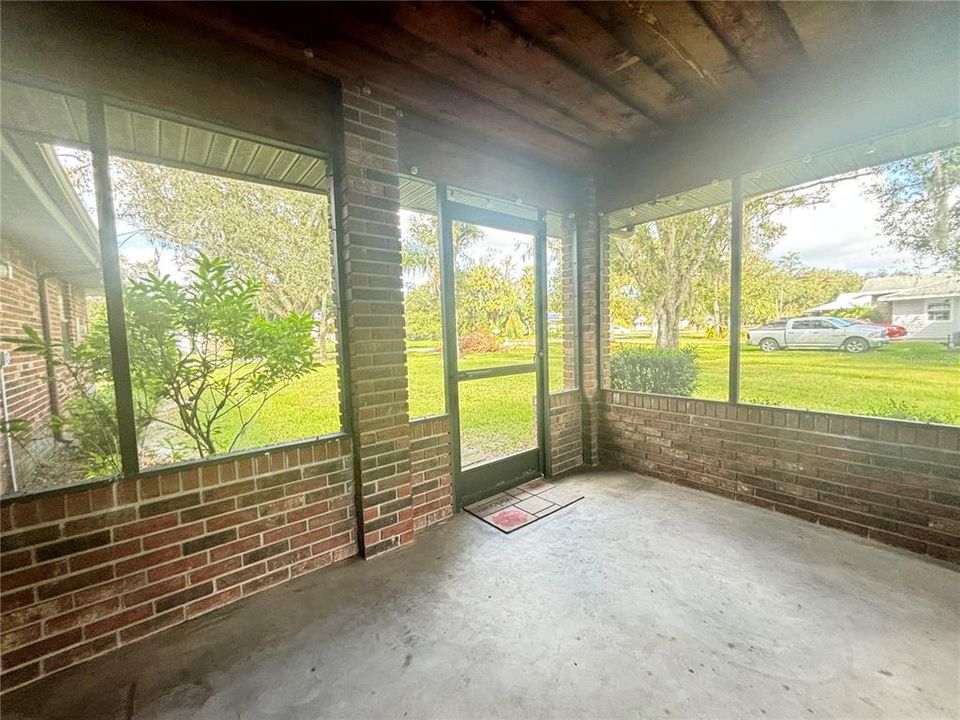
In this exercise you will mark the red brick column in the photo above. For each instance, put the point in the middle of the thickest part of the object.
(568, 283)
(593, 323)
(368, 207)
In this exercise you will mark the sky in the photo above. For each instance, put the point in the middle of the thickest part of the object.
(841, 234)
(497, 246)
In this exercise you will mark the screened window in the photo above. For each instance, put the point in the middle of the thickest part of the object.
(561, 302)
(420, 256)
(669, 296)
(868, 251)
(228, 288)
(60, 426)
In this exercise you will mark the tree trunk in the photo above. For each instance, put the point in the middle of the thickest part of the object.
(322, 331)
(667, 324)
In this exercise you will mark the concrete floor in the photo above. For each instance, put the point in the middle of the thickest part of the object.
(643, 600)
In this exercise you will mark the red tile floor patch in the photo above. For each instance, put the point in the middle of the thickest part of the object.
(522, 505)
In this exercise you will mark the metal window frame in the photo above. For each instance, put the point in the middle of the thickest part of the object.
(736, 280)
(436, 214)
(113, 287)
(736, 286)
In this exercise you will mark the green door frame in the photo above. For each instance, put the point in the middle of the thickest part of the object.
(484, 479)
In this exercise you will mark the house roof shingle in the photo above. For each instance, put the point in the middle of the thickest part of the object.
(941, 286)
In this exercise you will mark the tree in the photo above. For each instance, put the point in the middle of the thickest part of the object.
(678, 266)
(420, 248)
(661, 260)
(277, 237)
(919, 202)
(555, 288)
(420, 256)
(486, 299)
(421, 308)
(495, 296)
(780, 288)
(89, 416)
(204, 346)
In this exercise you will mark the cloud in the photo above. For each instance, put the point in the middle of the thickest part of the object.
(842, 233)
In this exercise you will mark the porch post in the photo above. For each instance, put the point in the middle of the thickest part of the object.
(368, 194)
(593, 350)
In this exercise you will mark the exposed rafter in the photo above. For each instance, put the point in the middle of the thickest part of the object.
(490, 45)
(504, 13)
(759, 34)
(434, 62)
(357, 63)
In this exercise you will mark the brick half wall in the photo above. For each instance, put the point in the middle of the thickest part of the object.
(892, 481)
(91, 568)
(566, 431)
(431, 474)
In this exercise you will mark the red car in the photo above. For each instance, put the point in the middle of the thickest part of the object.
(893, 331)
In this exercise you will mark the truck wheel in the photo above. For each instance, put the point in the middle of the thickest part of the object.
(856, 345)
(769, 345)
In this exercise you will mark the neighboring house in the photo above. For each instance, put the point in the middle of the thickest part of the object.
(928, 306)
(49, 264)
(929, 310)
(843, 301)
(875, 289)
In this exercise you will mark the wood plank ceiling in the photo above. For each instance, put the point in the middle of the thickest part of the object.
(566, 82)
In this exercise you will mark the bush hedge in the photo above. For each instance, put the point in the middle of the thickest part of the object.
(666, 372)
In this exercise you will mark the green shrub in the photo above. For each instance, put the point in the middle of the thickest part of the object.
(900, 410)
(667, 372)
(761, 400)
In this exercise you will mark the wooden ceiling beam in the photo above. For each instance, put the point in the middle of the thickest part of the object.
(432, 59)
(759, 34)
(573, 36)
(357, 64)
(492, 47)
(901, 75)
(673, 39)
(609, 17)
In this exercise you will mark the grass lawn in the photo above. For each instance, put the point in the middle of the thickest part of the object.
(497, 414)
(923, 376)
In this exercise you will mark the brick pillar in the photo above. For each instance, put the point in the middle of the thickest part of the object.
(593, 334)
(568, 289)
(372, 292)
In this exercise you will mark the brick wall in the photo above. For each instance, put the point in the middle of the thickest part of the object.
(566, 432)
(568, 291)
(430, 471)
(369, 209)
(592, 332)
(19, 305)
(91, 568)
(896, 482)
(28, 395)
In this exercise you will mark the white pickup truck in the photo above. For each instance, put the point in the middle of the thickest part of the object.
(824, 333)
